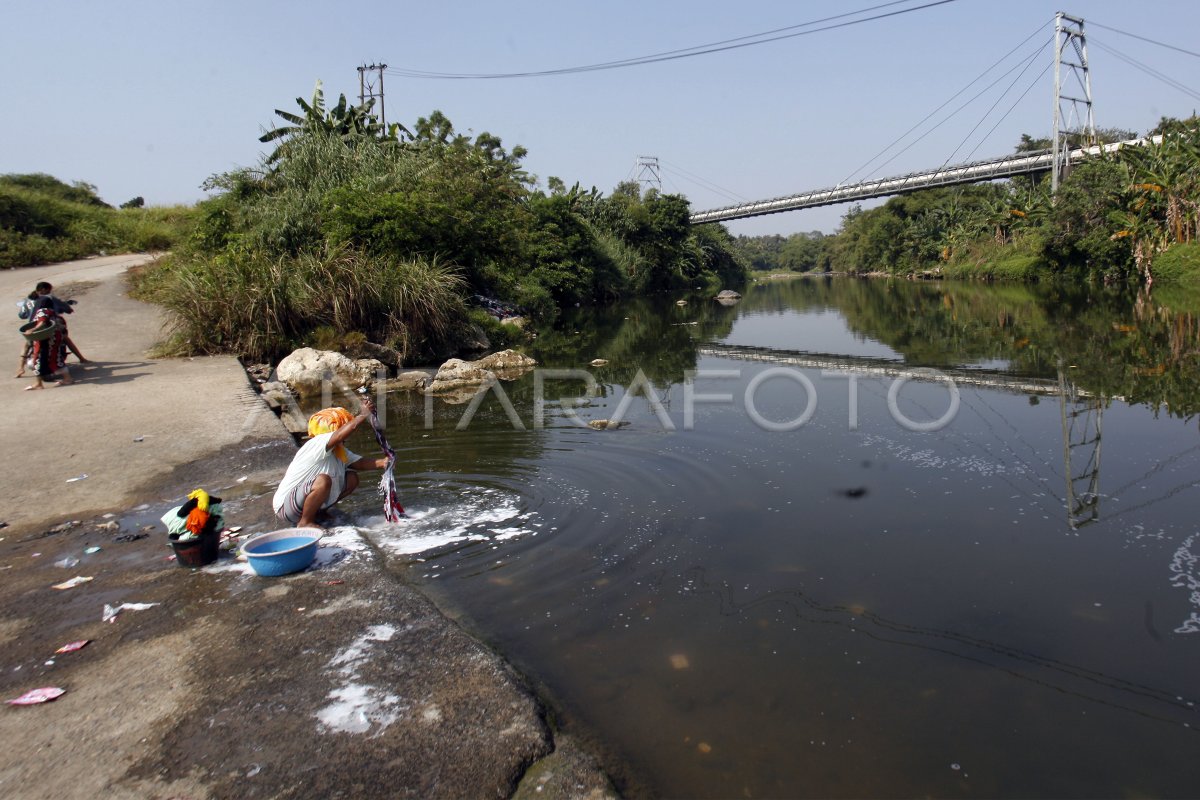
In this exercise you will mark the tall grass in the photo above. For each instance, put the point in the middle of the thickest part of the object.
(39, 225)
(262, 307)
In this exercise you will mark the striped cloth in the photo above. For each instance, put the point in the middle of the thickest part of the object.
(392, 510)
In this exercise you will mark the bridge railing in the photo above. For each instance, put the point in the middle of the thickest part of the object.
(972, 172)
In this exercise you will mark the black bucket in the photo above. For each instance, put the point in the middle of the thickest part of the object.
(199, 551)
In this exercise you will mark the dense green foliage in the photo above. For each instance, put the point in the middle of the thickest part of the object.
(43, 220)
(1112, 218)
(456, 216)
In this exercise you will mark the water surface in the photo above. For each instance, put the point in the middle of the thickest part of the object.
(1007, 606)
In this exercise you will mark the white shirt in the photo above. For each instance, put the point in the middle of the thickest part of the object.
(310, 461)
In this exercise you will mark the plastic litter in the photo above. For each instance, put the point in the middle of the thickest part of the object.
(110, 613)
(71, 584)
(82, 477)
(90, 550)
(72, 647)
(35, 696)
(67, 562)
(139, 438)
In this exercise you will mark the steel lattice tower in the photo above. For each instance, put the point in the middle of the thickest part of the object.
(647, 172)
(1068, 32)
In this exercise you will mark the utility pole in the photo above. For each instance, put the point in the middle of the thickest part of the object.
(367, 87)
(1068, 30)
(647, 172)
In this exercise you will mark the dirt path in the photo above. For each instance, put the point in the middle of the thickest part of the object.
(128, 420)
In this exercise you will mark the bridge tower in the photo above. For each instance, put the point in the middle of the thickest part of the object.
(1068, 32)
(1082, 429)
(647, 172)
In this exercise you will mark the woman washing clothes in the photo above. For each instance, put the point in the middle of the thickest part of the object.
(48, 333)
(323, 471)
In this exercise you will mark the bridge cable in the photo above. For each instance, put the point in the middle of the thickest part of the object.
(1144, 39)
(1011, 108)
(951, 99)
(1028, 63)
(956, 111)
(1133, 62)
(716, 47)
(702, 182)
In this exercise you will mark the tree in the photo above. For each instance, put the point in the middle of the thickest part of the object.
(343, 120)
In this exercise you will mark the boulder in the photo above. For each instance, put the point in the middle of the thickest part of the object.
(456, 374)
(728, 294)
(390, 357)
(368, 370)
(306, 371)
(411, 381)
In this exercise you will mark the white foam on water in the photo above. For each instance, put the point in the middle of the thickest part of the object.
(474, 516)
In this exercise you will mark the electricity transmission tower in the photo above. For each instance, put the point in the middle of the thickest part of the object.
(367, 88)
(647, 172)
(1068, 32)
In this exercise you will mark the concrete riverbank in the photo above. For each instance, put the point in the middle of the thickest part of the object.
(343, 681)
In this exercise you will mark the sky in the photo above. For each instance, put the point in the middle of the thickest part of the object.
(151, 98)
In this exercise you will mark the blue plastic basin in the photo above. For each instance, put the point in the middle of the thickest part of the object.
(282, 552)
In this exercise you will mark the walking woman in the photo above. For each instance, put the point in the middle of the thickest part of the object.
(48, 334)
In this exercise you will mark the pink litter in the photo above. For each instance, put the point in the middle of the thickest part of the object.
(73, 646)
(35, 696)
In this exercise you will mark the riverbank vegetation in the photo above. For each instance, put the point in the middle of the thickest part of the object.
(391, 233)
(1131, 216)
(43, 220)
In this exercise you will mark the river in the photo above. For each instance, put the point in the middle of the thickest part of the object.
(859, 538)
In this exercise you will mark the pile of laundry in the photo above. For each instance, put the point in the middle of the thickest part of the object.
(200, 515)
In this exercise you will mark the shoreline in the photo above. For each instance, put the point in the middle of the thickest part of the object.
(225, 687)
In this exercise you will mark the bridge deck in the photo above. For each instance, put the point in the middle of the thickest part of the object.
(973, 172)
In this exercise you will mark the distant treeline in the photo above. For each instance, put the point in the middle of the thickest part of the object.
(1133, 216)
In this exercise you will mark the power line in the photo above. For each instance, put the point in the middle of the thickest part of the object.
(698, 50)
(1144, 39)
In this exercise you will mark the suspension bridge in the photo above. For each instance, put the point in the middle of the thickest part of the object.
(1073, 117)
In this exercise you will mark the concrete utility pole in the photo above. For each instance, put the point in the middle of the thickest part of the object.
(366, 88)
(1068, 30)
(647, 172)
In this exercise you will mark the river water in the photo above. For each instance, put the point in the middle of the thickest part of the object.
(806, 570)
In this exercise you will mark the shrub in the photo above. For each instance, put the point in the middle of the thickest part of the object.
(1178, 264)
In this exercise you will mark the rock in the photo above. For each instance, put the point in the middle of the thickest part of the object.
(728, 294)
(306, 371)
(516, 322)
(388, 356)
(368, 370)
(456, 375)
(599, 362)
(607, 424)
(411, 381)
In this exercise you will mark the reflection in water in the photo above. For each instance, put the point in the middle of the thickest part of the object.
(1081, 429)
(838, 611)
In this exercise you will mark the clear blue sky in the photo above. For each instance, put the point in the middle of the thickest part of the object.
(150, 98)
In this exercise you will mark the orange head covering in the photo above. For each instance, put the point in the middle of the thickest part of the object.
(328, 420)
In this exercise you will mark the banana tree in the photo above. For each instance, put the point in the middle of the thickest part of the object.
(343, 120)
